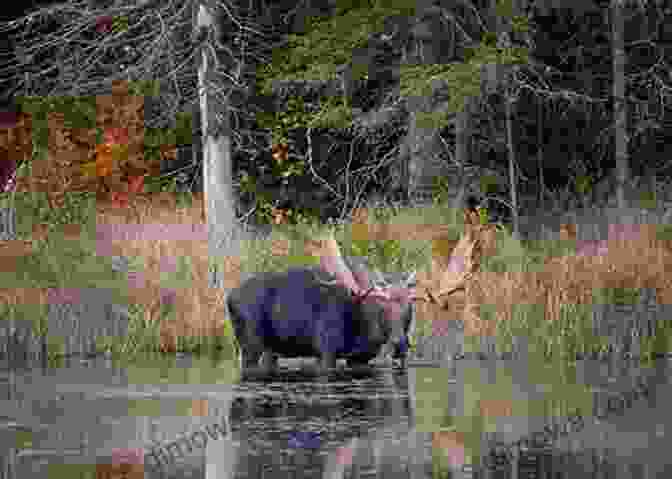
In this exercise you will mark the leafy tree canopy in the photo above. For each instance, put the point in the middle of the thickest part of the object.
(329, 43)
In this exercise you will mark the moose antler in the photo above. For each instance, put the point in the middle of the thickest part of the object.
(463, 263)
(362, 296)
(332, 262)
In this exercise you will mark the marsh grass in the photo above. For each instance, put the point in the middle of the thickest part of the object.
(542, 289)
(565, 286)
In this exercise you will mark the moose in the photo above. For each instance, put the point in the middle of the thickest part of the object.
(331, 312)
(335, 311)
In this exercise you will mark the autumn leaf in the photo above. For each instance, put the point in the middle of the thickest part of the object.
(135, 184)
(119, 153)
(279, 152)
(119, 199)
(279, 216)
(116, 136)
(103, 165)
(103, 150)
(104, 24)
(168, 152)
(8, 119)
(89, 168)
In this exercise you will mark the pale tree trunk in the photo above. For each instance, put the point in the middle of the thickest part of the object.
(620, 111)
(217, 170)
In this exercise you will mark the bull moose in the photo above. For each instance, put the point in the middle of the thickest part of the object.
(334, 311)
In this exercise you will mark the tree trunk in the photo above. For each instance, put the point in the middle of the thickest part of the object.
(462, 143)
(512, 170)
(540, 151)
(217, 170)
(504, 32)
(620, 111)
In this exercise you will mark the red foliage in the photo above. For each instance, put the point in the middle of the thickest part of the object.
(116, 136)
(120, 199)
(104, 24)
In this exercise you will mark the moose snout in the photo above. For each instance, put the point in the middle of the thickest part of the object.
(399, 347)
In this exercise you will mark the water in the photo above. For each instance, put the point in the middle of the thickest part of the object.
(191, 417)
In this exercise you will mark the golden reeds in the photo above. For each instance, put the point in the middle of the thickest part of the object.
(637, 262)
(199, 310)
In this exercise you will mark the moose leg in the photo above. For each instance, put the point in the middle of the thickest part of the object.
(269, 362)
(327, 362)
(253, 368)
(250, 358)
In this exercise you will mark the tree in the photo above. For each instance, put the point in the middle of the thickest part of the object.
(620, 111)
(621, 137)
(97, 45)
(217, 171)
(504, 32)
(433, 84)
(619, 90)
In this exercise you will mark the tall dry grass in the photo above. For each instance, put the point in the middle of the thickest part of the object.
(199, 310)
(635, 261)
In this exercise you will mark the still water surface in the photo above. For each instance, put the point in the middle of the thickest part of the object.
(191, 417)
